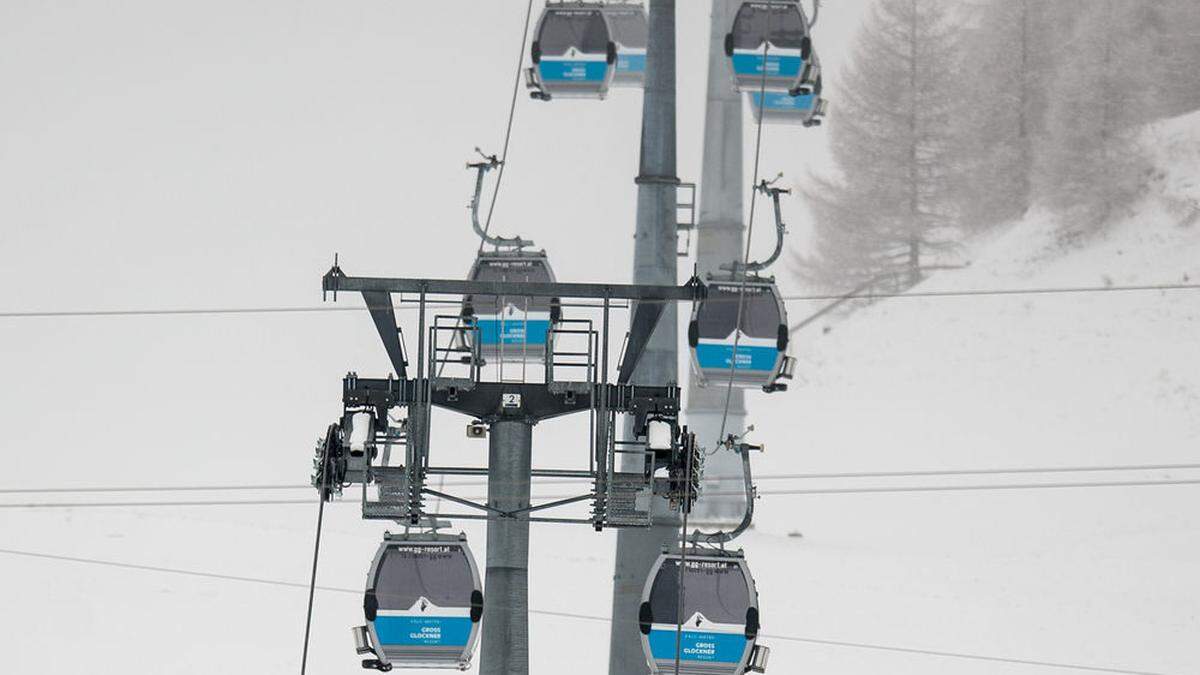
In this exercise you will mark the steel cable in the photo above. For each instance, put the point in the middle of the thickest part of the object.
(569, 615)
(512, 110)
(312, 309)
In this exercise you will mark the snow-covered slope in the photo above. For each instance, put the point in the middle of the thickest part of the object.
(1095, 375)
(1104, 576)
(1094, 576)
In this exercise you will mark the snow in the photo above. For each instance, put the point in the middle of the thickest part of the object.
(1098, 576)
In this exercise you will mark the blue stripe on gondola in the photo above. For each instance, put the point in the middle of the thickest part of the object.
(781, 101)
(426, 631)
(631, 63)
(513, 331)
(700, 646)
(749, 357)
(778, 65)
(572, 71)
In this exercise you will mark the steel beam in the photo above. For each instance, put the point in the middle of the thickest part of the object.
(655, 259)
(641, 327)
(380, 306)
(335, 280)
(482, 399)
(505, 649)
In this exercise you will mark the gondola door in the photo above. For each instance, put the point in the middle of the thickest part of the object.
(573, 53)
(717, 629)
(423, 603)
(629, 32)
(780, 27)
(755, 357)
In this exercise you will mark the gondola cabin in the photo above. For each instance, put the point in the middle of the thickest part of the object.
(781, 107)
(629, 32)
(423, 603)
(761, 348)
(771, 35)
(510, 328)
(719, 622)
(573, 52)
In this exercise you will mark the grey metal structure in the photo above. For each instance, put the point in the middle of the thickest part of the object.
(655, 260)
(382, 440)
(506, 632)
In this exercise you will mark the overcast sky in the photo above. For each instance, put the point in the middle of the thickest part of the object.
(180, 154)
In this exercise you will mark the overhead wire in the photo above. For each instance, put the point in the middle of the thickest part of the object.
(127, 504)
(314, 309)
(512, 110)
(975, 472)
(968, 293)
(761, 493)
(153, 488)
(551, 481)
(568, 479)
(733, 364)
(748, 513)
(961, 655)
(970, 488)
(179, 311)
(570, 615)
(312, 586)
(737, 330)
(502, 163)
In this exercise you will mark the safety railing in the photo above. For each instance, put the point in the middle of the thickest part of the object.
(572, 345)
(454, 348)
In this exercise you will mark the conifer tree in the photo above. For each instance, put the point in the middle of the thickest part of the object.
(1107, 84)
(890, 200)
(1007, 59)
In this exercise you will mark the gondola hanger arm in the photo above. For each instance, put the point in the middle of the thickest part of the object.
(768, 188)
(739, 445)
(481, 168)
